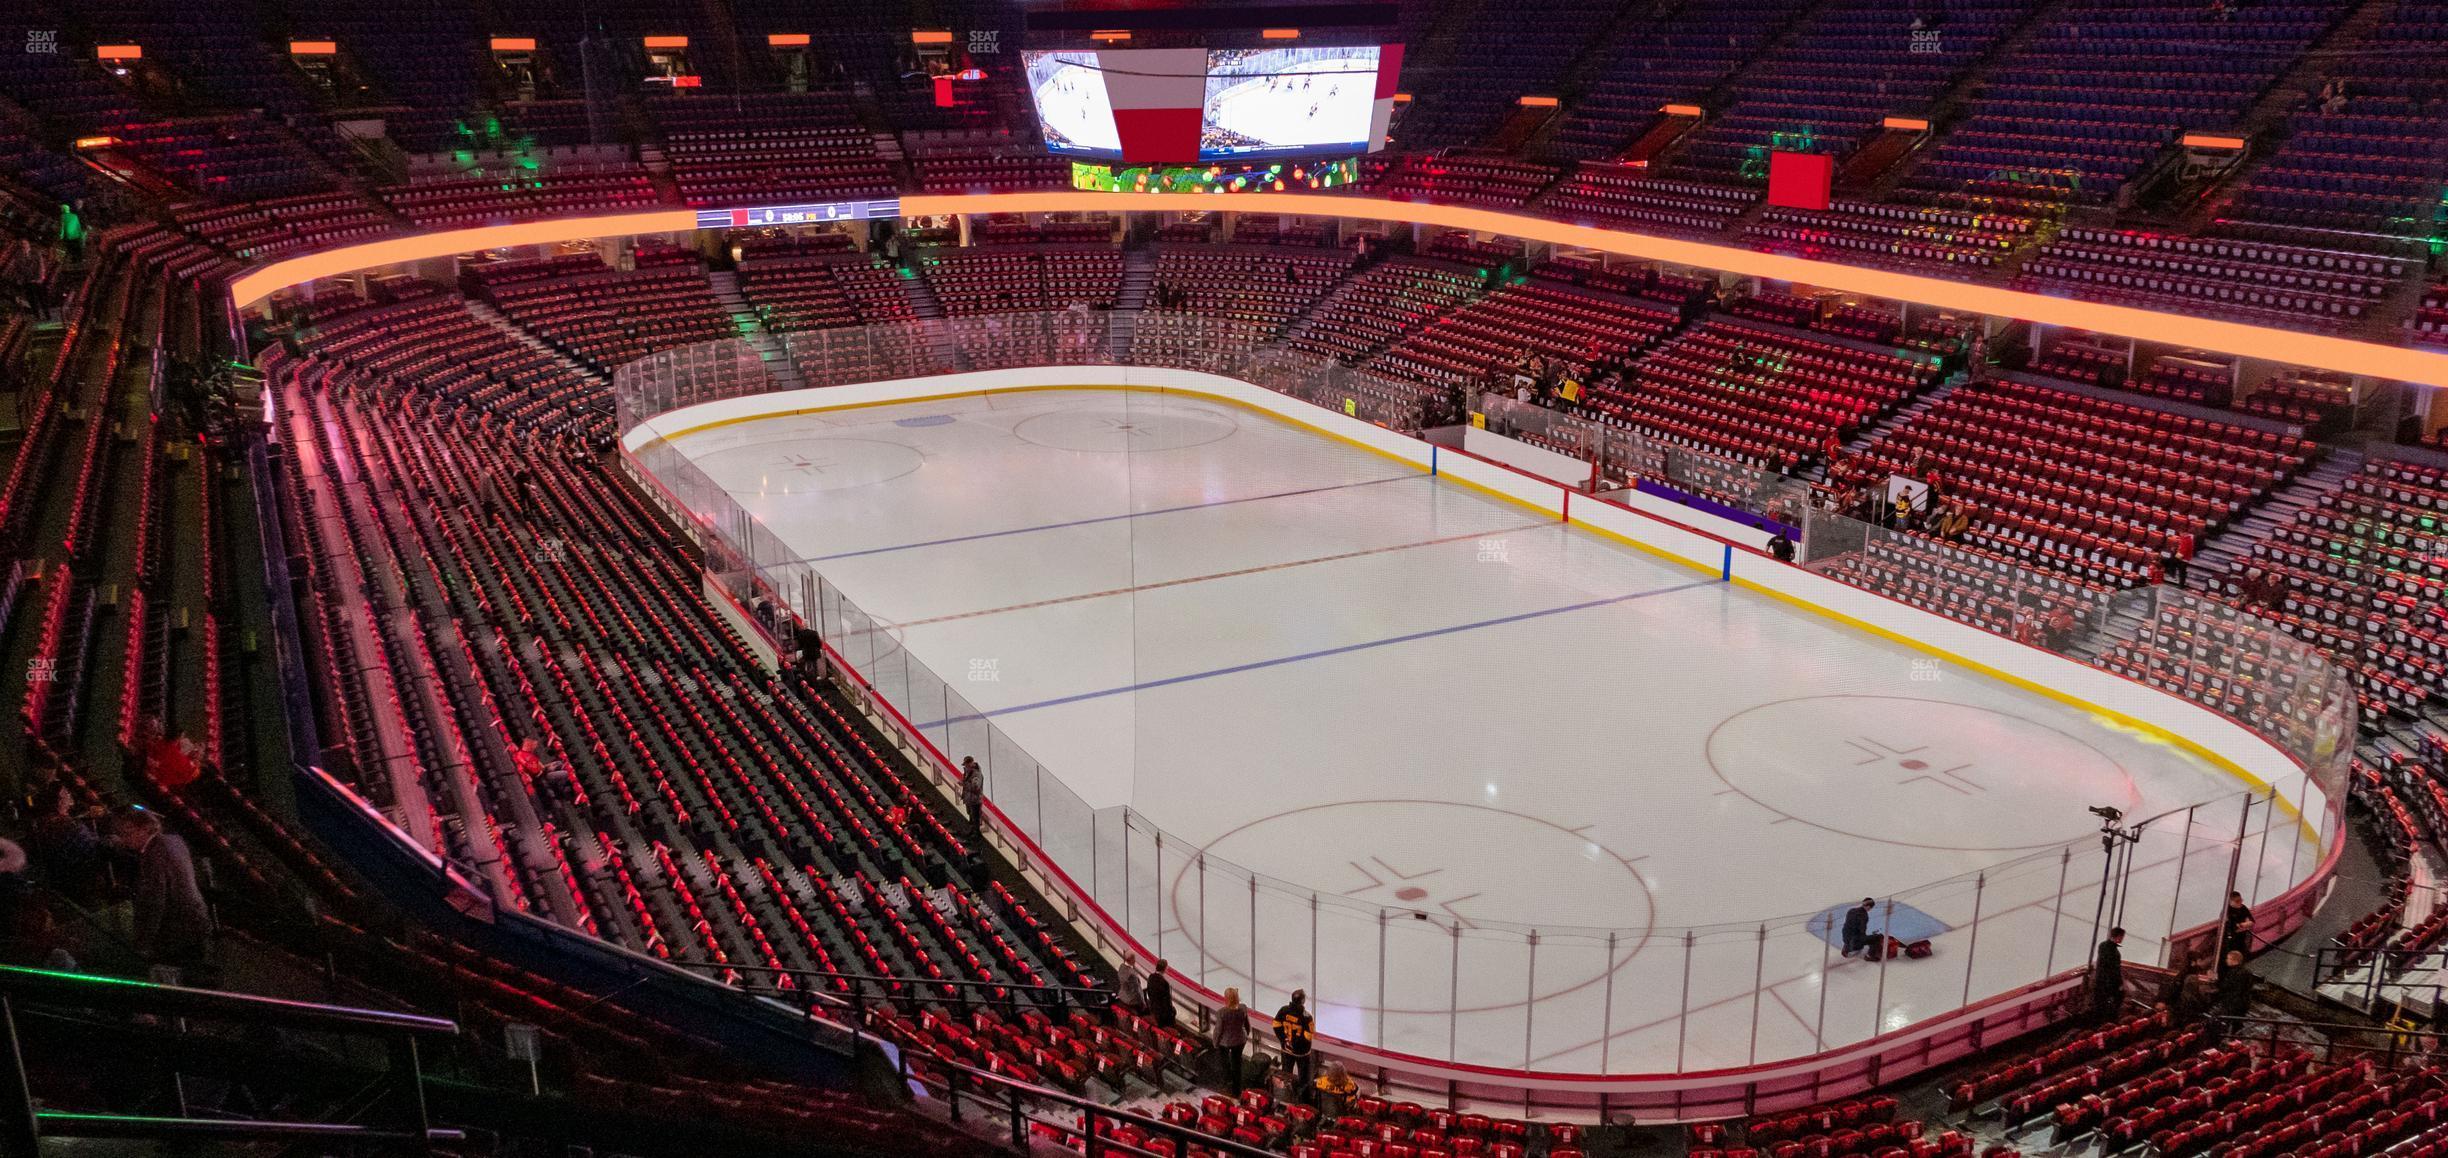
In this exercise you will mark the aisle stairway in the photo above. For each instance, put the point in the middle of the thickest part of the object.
(2302, 492)
(1860, 442)
(1138, 277)
(751, 327)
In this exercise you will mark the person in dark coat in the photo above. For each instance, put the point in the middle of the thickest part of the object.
(2108, 976)
(1296, 1032)
(973, 794)
(2187, 993)
(1160, 996)
(2235, 987)
(2235, 931)
(173, 924)
(65, 848)
(1857, 926)
(811, 654)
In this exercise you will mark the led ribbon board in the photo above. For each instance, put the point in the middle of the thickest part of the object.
(798, 214)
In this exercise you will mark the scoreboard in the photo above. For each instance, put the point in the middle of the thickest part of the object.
(1162, 82)
(798, 214)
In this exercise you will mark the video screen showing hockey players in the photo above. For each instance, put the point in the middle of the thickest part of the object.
(1278, 100)
(1073, 111)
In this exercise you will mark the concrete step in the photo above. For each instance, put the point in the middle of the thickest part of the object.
(2277, 511)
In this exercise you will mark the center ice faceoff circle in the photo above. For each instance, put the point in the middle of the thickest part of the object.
(1118, 428)
(1918, 772)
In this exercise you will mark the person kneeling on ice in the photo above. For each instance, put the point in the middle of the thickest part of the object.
(1857, 926)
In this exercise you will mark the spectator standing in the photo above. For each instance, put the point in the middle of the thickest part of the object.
(2235, 986)
(2172, 565)
(15, 890)
(173, 925)
(973, 794)
(2108, 976)
(1131, 991)
(64, 847)
(1296, 1032)
(811, 654)
(1160, 995)
(2235, 930)
(1232, 1037)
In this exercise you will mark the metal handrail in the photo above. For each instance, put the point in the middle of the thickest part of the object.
(64, 1124)
(23, 1123)
(2332, 962)
(88, 991)
(2396, 1043)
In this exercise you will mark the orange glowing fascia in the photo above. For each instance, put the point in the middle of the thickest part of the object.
(2214, 335)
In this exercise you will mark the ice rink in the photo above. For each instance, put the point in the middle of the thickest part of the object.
(1454, 721)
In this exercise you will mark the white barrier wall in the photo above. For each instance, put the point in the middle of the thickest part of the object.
(1674, 512)
(1563, 469)
(1657, 525)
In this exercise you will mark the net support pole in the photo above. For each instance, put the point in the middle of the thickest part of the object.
(2235, 856)
(1606, 1017)
(1381, 976)
(2269, 820)
(1529, 1001)
(1453, 998)
(1878, 1004)
(1683, 1007)
(1759, 978)
(2065, 862)
(1819, 1027)
(2184, 853)
(1980, 886)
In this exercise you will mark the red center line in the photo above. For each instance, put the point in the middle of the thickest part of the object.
(1788, 1006)
(1286, 565)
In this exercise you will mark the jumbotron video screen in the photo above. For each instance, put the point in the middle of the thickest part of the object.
(1275, 101)
(1213, 104)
